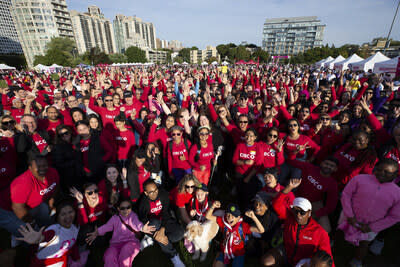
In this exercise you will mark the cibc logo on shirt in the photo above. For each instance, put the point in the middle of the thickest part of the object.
(270, 153)
(48, 189)
(157, 208)
(347, 156)
(40, 142)
(4, 148)
(120, 138)
(314, 182)
(252, 155)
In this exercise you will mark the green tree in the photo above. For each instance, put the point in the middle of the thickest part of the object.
(194, 48)
(241, 53)
(135, 54)
(178, 59)
(212, 59)
(118, 58)
(260, 54)
(58, 51)
(96, 56)
(185, 54)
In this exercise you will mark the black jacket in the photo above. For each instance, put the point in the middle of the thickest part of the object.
(144, 208)
(95, 158)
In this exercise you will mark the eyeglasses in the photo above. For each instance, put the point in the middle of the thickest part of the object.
(108, 100)
(243, 122)
(152, 192)
(96, 191)
(125, 208)
(299, 211)
(190, 186)
(325, 119)
(221, 110)
(293, 125)
(10, 122)
(64, 133)
(272, 135)
(259, 103)
(305, 111)
(203, 134)
(176, 134)
(168, 92)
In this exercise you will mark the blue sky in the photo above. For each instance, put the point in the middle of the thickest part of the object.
(199, 23)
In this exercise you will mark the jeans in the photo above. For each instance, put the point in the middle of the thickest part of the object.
(173, 231)
(10, 222)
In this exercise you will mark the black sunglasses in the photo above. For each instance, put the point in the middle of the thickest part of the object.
(64, 133)
(125, 208)
(96, 191)
(301, 212)
(8, 122)
(108, 100)
(190, 186)
(273, 135)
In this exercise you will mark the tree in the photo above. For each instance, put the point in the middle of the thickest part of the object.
(212, 59)
(185, 54)
(96, 56)
(241, 53)
(135, 54)
(194, 48)
(118, 58)
(58, 51)
(260, 54)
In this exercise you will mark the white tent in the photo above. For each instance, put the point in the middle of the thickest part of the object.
(368, 63)
(214, 63)
(321, 63)
(175, 63)
(185, 63)
(387, 66)
(56, 66)
(41, 67)
(6, 67)
(225, 63)
(331, 63)
(204, 63)
(343, 65)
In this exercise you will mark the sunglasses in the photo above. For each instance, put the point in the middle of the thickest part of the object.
(176, 134)
(190, 186)
(272, 135)
(301, 212)
(243, 99)
(293, 125)
(168, 92)
(243, 122)
(268, 108)
(108, 100)
(64, 134)
(370, 93)
(96, 191)
(259, 103)
(8, 122)
(220, 111)
(125, 208)
(203, 134)
(325, 119)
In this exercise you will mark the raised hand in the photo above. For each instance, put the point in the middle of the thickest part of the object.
(76, 194)
(294, 182)
(148, 229)
(216, 204)
(250, 214)
(29, 235)
(124, 173)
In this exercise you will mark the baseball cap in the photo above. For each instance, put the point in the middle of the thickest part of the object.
(233, 209)
(123, 81)
(202, 187)
(203, 127)
(128, 94)
(273, 88)
(302, 203)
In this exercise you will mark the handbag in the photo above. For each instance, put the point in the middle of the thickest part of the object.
(138, 235)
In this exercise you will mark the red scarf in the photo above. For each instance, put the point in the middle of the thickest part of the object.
(200, 211)
(228, 248)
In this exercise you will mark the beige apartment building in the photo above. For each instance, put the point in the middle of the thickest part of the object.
(92, 29)
(37, 21)
(198, 56)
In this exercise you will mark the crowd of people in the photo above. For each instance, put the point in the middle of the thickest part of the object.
(283, 159)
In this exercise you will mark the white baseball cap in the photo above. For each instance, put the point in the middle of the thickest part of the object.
(302, 203)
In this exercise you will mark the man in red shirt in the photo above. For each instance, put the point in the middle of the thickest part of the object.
(30, 197)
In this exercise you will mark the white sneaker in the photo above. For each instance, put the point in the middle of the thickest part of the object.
(177, 261)
(146, 242)
(377, 246)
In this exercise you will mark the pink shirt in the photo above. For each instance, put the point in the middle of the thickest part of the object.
(371, 202)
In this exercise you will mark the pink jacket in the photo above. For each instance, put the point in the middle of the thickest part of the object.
(371, 202)
(121, 233)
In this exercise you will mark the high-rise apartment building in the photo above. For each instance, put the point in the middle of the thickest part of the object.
(291, 36)
(175, 45)
(92, 29)
(132, 31)
(9, 42)
(37, 21)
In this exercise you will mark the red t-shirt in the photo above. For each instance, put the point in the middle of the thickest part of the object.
(40, 143)
(245, 152)
(31, 191)
(205, 155)
(155, 209)
(125, 142)
(84, 147)
(238, 242)
(180, 199)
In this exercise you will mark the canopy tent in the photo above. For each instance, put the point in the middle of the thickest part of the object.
(389, 66)
(240, 62)
(251, 62)
(185, 63)
(367, 64)
(204, 63)
(175, 63)
(331, 63)
(321, 63)
(214, 63)
(343, 65)
(6, 67)
(56, 66)
(41, 67)
(225, 63)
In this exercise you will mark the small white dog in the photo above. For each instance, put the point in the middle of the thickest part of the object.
(201, 235)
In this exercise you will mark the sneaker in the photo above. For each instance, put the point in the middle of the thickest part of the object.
(177, 261)
(376, 247)
(355, 263)
(146, 242)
